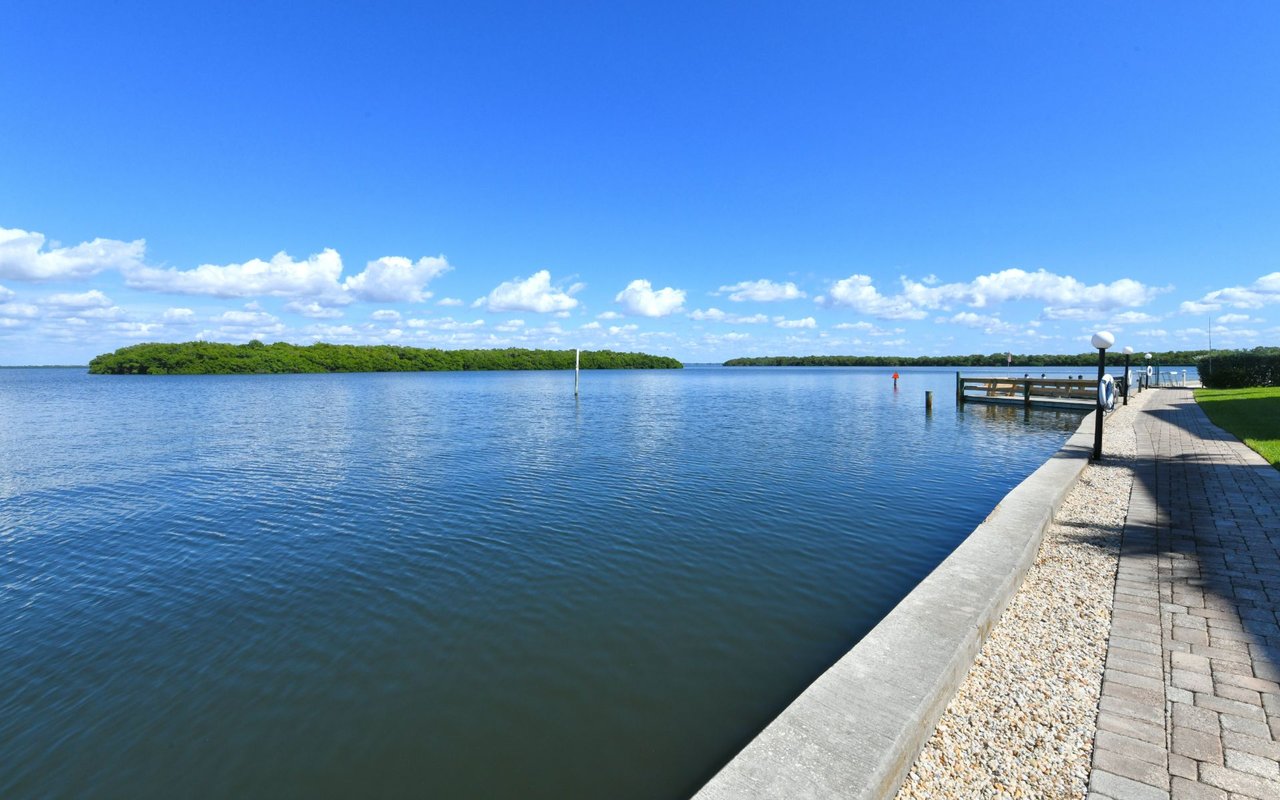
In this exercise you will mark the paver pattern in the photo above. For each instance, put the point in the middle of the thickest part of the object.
(1190, 703)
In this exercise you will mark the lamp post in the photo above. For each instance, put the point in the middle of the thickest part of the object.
(1148, 370)
(1128, 351)
(1101, 340)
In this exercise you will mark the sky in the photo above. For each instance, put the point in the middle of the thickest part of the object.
(700, 180)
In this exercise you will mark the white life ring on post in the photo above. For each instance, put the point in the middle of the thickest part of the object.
(1107, 392)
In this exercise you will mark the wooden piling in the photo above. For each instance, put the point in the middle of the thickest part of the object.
(928, 401)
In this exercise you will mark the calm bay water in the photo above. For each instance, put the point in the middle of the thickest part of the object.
(457, 585)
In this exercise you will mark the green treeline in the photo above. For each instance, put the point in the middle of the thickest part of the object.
(213, 358)
(1165, 358)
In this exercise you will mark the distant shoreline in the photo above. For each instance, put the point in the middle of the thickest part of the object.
(281, 358)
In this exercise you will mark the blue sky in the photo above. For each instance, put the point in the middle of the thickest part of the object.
(700, 180)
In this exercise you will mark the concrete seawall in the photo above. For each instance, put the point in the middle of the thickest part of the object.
(857, 729)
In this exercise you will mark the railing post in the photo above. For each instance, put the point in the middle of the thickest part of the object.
(1026, 393)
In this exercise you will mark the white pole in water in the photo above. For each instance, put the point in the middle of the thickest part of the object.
(577, 358)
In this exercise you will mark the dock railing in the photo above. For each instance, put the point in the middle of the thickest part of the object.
(1055, 392)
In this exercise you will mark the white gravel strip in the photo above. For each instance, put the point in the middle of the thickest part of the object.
(1023, 722)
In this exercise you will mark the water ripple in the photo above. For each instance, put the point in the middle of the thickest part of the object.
(455, 585)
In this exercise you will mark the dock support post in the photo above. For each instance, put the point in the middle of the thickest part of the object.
(1026, 393)
(577, 359)
(928, 402)
(959, 390)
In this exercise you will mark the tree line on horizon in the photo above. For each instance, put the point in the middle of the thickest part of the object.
(216, 358)
(1182, 358)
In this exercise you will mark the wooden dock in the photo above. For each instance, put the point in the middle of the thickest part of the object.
(1062, 393)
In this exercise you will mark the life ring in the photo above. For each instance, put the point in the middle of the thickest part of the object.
(1107, 392)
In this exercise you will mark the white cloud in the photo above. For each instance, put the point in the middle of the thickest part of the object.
(987, 323)
(590, 326)
(510, 326)
(90, 299)
(614, 330)
(449, 301)
(395, 279)
(855, 326)
(23, 256)
(807, 322)
(6, 294)
(1015, 284)
(1264, 291)
(312, 309)
(1228, 319)
(534, 293)
(763, 291)
(245, 319)
(1133, 318)
(444, 324)
(385, 314)
(179, 315)
(609, 315)
(19, 310)
(135, 330)
(279, 277)
(857, 293)
(716, 315)
(640, 299)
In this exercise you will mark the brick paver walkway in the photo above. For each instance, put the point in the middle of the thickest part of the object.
(1190, 702)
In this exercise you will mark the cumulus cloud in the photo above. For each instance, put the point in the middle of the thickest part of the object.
(807, 322)
(1228, 319)
(75, 302)
(282, 276)
(312, 309)
(716, 315)
(1054, 290)
(135, 330)
(394, 279)
(385, 314)
(6, 294)
(856, 292)
(987, 323)
(24, 256)
(1133, 318)
(763, 291)
(1064, 296)
(178, 315)
(510, 326)
(449, 301)
(640, 299)
(590, 326)
(245, 319)
(445, 324)
(1264, 291)
(535, 293)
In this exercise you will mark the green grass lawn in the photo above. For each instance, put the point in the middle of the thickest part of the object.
(1251, 414)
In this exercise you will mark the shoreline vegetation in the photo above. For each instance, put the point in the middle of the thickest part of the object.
(256, 358)
(1168, 358)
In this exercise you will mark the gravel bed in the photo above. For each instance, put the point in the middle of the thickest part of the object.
(1023, 722)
